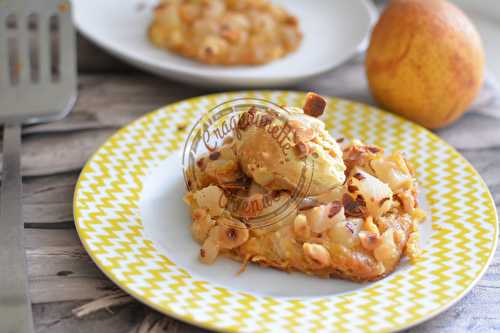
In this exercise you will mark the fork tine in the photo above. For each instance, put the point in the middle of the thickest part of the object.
(4, 60)
(44, 47)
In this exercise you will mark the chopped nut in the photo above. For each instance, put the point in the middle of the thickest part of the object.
(359, 176)
(399, 236)
(316, 218)
(301, 227)
(275, 194)
(352, 188)
(418, 214)
(228, 140)
(407, 201)
(292, 20)
(214, 155)
(199, 214)
(247, 118)
(210, 248)
(368, 225)
(161, 6)
(304, 134)
(200, 163)
(360, 201)
(384, 200)
(252, 110)
(369, 240)
(308, 203)
(314, 105)
(232, 233)
(232, 186)
(265, 120)
(231, 35)
(372, 191)
(243, 122)
(412, 249)
(351, 207)
(373, 149)
(318, 254)
(212, 198)
(320, 218)
(335, 208)
(301, 133)
(202, 223)
(212, 46)
(389, 172)
(349, 226)
(386, 251)
(302, 150)
(188, 13)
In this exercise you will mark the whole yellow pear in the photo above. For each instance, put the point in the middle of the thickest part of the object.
(425, 61)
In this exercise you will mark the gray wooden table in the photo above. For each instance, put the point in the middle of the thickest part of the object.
(111, 94)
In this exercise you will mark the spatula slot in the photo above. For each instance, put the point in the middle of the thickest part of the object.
(34, 56)
(12, 49)
(55, 56)
(11, 22)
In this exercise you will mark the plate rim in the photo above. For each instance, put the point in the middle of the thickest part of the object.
(228, 80)
(452, 301)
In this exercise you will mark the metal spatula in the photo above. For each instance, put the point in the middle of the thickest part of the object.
(37, 83)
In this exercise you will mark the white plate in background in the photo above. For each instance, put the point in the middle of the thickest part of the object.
(334, 30)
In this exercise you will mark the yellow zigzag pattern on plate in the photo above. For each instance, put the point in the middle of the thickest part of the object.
(106, 209)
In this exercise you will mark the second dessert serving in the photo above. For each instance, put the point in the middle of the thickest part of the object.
(225, 32)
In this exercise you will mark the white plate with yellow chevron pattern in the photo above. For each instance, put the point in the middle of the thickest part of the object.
(130, 218)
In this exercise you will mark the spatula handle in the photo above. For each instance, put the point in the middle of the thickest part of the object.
(15, 304)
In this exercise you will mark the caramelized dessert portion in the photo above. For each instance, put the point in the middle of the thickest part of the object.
(225, 32)
(355, 221)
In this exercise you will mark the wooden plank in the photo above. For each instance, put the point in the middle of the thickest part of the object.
(49, 189)
(115, 100)
(92, 58)
(40, 238)
(62, 261)
(57, 153)
(477, 312)
(48, 213)
(57, 318)
(47, 290)
(60, 269)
